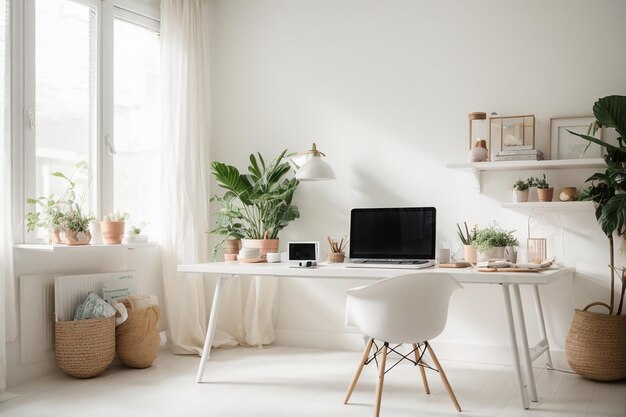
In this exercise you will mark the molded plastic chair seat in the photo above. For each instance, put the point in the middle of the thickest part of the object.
(410, 309)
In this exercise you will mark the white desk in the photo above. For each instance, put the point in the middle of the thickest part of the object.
(508, 281)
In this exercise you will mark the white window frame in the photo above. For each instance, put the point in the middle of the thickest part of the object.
(23, 100)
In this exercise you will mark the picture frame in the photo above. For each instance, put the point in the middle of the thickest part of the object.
(564, 145)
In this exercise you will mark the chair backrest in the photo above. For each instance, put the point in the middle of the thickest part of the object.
(410, 308)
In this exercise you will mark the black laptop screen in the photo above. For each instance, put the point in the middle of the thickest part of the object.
(393, 233)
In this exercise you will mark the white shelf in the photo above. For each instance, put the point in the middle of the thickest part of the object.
(56, 248)
(557, 205)
(477, 167)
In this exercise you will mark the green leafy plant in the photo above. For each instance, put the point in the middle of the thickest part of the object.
(608, 189)
(116, 217)
(493, 236)
(466, 236)
(257, 204)
(136, 229)
(51, 209)
(74, 220)
(523, 185)
(541, 182)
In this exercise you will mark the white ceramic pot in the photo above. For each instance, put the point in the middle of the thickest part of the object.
(520, 196)
(493, 253)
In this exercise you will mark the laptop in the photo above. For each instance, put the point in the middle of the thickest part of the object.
(397, 237)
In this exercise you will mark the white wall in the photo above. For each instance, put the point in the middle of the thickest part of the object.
(384, 88)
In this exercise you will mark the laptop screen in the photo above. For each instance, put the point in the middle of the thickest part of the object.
(393, 233)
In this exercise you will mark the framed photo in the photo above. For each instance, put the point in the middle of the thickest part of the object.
(564, 145)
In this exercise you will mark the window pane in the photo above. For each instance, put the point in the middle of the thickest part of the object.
(65, 92)
(137, 124)
(5, 76)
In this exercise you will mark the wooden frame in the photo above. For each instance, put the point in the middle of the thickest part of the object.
(524, 125)
(564, 145)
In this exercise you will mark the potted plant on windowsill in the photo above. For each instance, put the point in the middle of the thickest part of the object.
(259, 203)
(595, 344)
(75, 225)
(491, 241)
(112, 227)
(52, 209)
(544, 191)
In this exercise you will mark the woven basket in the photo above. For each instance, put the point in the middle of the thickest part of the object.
(138, 337)
(596, 346)
(84, 348)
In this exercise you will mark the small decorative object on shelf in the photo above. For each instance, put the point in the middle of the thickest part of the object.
(568, 194)
(134, 234)
(477, 134)
(521, 189)
(479, 152)
(536, 249)
(564, 142)
(514, 134)
(467, 238)
(337, 252)
(75, 225)
(544, 191)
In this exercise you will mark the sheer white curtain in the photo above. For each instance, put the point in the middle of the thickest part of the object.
(8, 319)
(185, 146)
(245, 315)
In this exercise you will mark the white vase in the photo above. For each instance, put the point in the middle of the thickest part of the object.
(96, 234)
(520, 196)
(493, 253)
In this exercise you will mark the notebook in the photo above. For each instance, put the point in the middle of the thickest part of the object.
(396, 237)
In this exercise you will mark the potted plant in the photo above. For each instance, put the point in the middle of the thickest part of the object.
(75, 225)
(134, 234)
(228, 226)
(337, 252)
(544, 191)
(112, 227)
(260, 201)
(51, 208)
(467, 239)
(491, 242)
(595, 342)
(520, 190)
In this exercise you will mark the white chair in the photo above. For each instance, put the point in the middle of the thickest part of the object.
(410, 309)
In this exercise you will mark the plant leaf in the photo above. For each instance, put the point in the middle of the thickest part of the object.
(610, 111)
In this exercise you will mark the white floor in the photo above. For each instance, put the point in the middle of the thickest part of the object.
(284, 381)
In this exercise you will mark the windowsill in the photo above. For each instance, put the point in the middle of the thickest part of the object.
(56, 248)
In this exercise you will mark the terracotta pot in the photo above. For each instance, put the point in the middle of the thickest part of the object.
(545, 194)
(232, 246)
(469, 253)
(336, 257)
(520, 196)
(230, 257)
(112, 232)
(55, 237)
(595, 346)
(493, 253)
(73, 238)
(265, 246)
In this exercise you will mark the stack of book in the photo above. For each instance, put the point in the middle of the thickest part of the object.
(519, 153)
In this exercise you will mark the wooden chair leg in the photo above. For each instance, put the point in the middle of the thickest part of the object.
(422, 370)
(366, 353)
(381, 379)
(444, 379)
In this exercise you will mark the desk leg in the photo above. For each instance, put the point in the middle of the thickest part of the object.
(516, 363)
(210, 331)
(542, 323)
(524, 341)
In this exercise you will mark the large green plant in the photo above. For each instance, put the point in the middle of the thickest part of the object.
(256, 204)
(608, 189)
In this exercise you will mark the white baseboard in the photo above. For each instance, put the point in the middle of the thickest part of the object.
(499, 355)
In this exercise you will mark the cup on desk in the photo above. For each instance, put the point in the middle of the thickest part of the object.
(443, 256)
(274, 257)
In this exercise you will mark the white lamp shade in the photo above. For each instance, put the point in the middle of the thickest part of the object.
(315, 169)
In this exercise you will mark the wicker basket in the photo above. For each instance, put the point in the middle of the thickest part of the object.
(138, 337)
(596, 346)
(84, 348)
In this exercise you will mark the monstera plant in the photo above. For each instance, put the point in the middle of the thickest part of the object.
(595, 342)
(257, 204)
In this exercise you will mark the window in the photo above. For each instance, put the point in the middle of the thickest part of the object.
(91, 93)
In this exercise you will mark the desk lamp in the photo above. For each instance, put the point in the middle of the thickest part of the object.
(314, 168)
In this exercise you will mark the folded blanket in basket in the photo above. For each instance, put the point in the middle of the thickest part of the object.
(93, 307)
